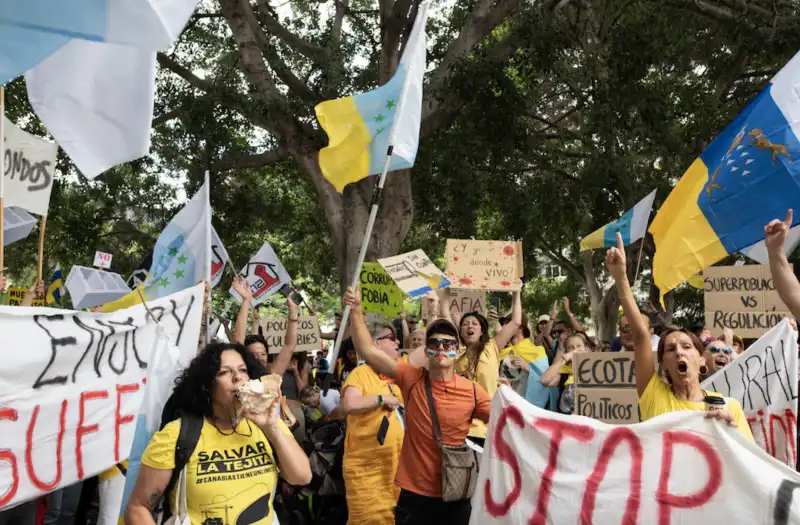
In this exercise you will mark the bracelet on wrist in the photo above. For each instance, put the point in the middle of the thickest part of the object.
(380, 400)
(293, 320)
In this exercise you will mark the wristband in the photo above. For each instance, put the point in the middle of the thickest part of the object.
(293, 320)
(380, 400)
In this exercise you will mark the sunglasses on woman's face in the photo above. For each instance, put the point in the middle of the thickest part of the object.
(446, 344)
(389, 337)
(625, 329)
(718, 349)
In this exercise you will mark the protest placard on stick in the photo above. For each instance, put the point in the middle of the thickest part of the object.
(265, 273)
(484, 265)
(605, 387)
(308, 339)
(414, 273)
(15, 296)
(379, 293)
(742, 298)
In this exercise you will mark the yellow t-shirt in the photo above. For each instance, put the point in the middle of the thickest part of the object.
(229, 477)
(658, 399)
(113, 472)
(486, 374)
(369, 467)
(567, 369)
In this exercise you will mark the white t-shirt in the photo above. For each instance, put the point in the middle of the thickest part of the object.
(330, 402)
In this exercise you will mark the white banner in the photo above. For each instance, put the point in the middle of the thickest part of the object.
(71, 386)
(539, 467)
(265, 273)
(30, 164)
(219, 258)
(764, 381)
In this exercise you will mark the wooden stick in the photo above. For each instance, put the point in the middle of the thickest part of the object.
(41, 247)
(2, 174)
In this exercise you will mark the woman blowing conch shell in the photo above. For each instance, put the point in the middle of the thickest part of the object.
(257, 395)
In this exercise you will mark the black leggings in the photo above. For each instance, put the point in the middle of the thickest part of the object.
(413, 509)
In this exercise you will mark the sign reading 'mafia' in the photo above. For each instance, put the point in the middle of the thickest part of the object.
(605, 387)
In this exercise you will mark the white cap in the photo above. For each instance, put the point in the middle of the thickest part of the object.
(543, 319)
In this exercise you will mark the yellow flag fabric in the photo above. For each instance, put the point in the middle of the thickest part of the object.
(346, 158)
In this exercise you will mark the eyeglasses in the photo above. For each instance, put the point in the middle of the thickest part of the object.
(626, 329)
(389, 337)
(717, 349)
(446, 344)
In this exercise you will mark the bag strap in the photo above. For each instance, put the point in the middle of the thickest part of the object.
(189, 435)
(432, 407)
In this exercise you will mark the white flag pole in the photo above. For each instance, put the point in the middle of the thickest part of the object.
(207, 261)
(2, 173)
(373, 214)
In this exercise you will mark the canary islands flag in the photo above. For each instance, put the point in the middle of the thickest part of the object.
(632, 226)
(746, 177)
(56, 287)
(361, 128)
(182, 255)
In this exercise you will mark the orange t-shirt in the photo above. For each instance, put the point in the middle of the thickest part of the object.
(420, 469)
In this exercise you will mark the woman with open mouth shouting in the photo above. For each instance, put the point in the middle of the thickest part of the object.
(479, 358)
(680, 354)
(717, 356)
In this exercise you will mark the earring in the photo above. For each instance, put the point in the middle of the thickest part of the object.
(703, 370)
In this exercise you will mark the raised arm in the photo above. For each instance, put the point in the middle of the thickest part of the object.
(242, 287)
(380, 362)
(782, 275)
(406, 331)
(227, 326)
(35, 291)
(281, 362)
(548, 329)
(572, 319)
(643, 359)
(552, 376)
(255, 321)
(505, 334)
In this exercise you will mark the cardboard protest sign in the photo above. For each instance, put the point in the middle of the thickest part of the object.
(70, 396)
(764, 381)
(308, 339)
(605, 387)
(265, 273)
(219, 258)
(379, 293)
(540, 467)
(102, 260)
(484, 265)
(461, 302)
(29, 168)
(15, 296)
(743, 299)
(414, 273)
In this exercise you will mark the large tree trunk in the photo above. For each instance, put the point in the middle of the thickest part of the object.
(348, 214)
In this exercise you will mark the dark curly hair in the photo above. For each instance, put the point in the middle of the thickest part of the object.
(256, 338)
(192, 393)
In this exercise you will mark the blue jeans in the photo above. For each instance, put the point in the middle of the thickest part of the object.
(63, 505)
(24, 514)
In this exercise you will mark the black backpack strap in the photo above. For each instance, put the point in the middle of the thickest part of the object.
(189, 435)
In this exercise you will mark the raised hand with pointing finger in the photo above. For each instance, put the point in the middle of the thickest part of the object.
(783, 277)
(616, 261)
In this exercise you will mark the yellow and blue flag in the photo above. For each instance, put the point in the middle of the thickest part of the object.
(182, 255)
(361, 128)
(632, 226)
(56, 287)
(749, 175)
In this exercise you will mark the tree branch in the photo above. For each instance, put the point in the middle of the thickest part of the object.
(165, 117)
(269, 18)
(270, 54)
(258, 160)
(274, 107)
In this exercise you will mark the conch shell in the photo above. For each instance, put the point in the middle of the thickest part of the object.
(257, 395)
